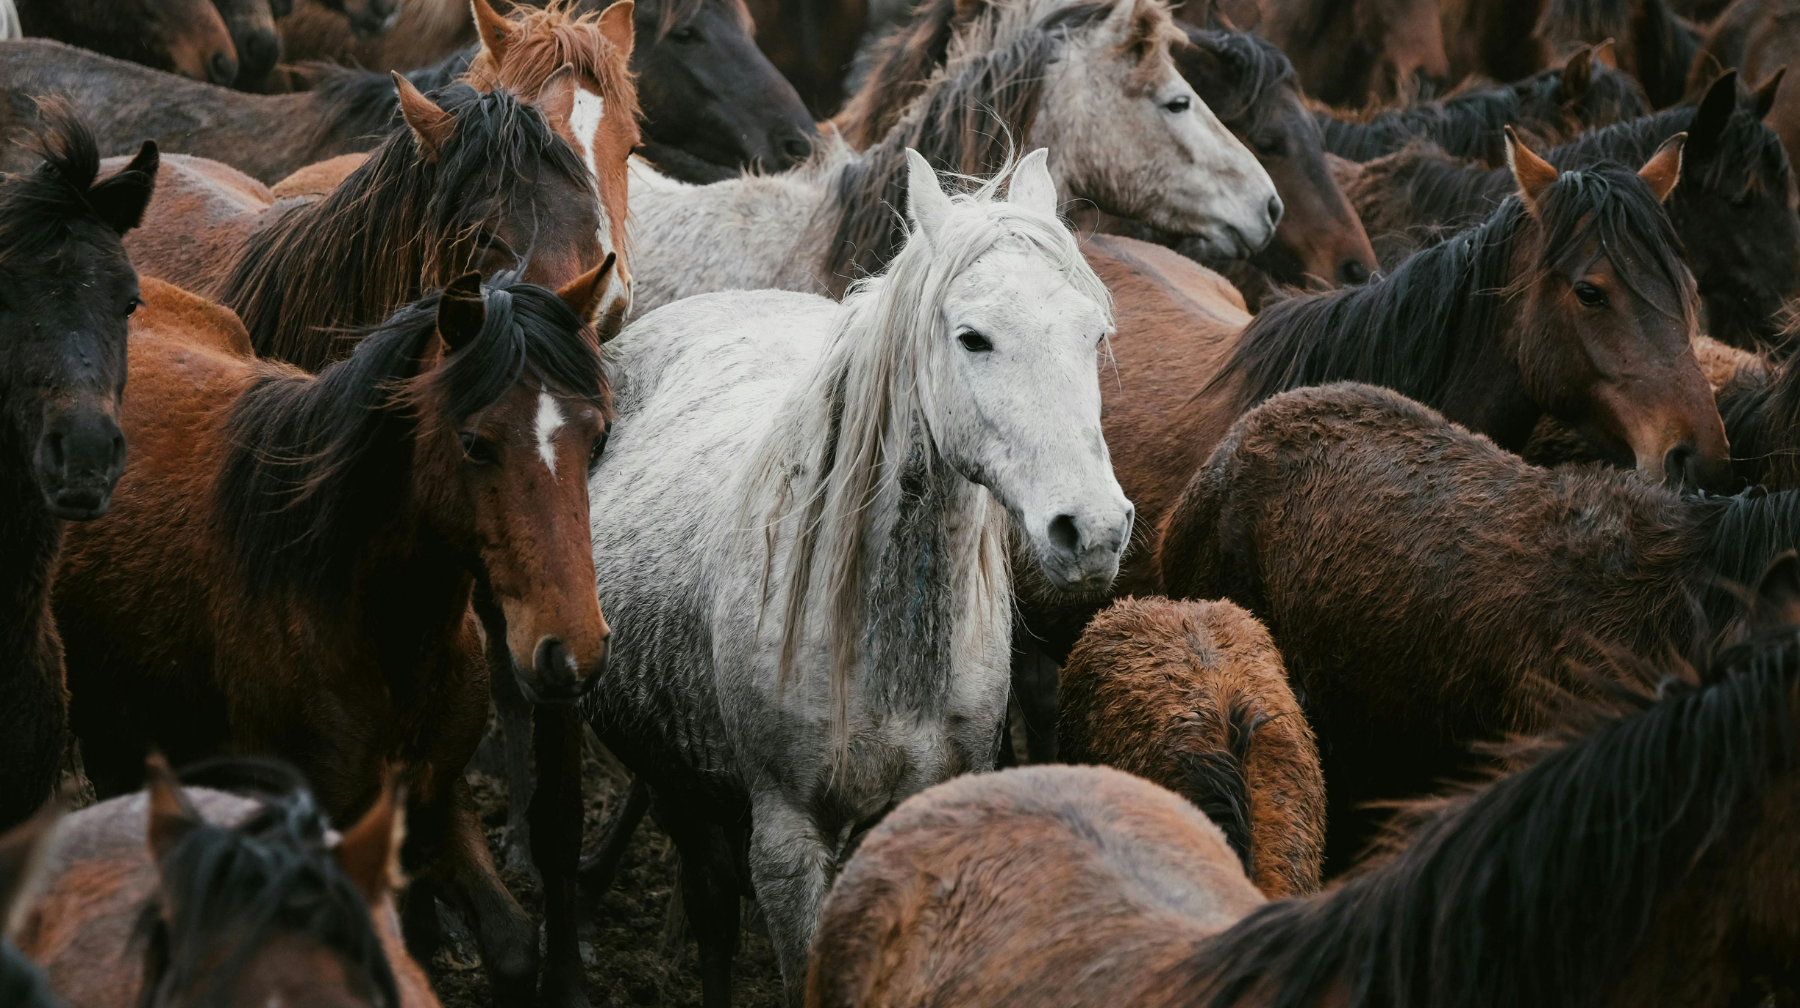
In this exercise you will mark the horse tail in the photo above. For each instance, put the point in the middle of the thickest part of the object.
(1214, 776)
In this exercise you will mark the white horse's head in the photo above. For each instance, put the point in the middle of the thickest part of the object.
(1131, 135)
(1014, 317)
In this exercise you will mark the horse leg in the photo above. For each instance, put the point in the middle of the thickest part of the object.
(598, 870)
(506, 935)
(1034, 678)
(556, 814)
(709, 893)
(515, 715)
(790, 868)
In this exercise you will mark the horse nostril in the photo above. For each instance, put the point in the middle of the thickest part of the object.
(796, 147)
(1063, 533)
(554, 668)
(1275, 209)
(222, 69)
(54, 451)
(1353, 272)
(1678, 465)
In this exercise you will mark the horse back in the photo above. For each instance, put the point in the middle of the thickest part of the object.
(198, 222)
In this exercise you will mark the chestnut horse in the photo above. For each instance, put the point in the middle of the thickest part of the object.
(1549, 107)
(290, 563)
(469, 181)
(200, 897)
(21, 982)
(1731, 210)
(1642, 856)
(1461, 583)
(187, 37)
(1193, 696)
(69, 289)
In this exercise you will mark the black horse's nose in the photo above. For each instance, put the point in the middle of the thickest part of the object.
(222, 69)
(1353, 272)
(79, 458)
(262, 50)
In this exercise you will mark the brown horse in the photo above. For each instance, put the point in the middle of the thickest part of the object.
(1655, 44)
(69, 290)
(187, 37)
(1761, 38)
(1193, 696)
(290, 563)
(1358, 53)
(201, 897)
(365, 18)
(254, 37)
(1461, 583)
(1643, 856)
(471, 180)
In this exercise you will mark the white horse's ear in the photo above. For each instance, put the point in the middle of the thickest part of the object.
(1121, 22)
(1032, 187)
(926, 202)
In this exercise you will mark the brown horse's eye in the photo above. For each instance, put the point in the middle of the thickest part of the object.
(1590, 296)
(478, 449)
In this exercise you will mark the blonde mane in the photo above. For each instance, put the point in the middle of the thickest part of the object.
(846, 432)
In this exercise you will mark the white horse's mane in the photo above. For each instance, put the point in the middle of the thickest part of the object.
(843, 437)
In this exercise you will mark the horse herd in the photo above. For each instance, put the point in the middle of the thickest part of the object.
(1081, 390)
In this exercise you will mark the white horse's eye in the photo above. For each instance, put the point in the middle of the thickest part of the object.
(1180, 103)
(973, 341)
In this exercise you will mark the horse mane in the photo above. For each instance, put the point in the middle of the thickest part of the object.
(1258, 68)
(1571, 20)
(368, 246)
(317, 465)
(844, 436)
(1516, 872)
(1415, 329)
(983, 99)
(1761, 411)
(547, 39)
(900, 65)
(240, 885)
(1740, 536)
(36, 207)
(360, 103)
(1216, 779)
(1745, 147)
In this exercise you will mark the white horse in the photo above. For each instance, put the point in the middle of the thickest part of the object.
(800, 527)
(1092, 81)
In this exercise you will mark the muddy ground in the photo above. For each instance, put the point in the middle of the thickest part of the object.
(632, 953)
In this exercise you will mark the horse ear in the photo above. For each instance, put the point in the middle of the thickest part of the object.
(1709, 120)
(1533, 173)
(583, 293)
(1577, 74)
(1032, 186)
(616, 26)
(120, 201)
(431, 125)
(926, 202)
(1663, 169)
(1765, 93)
(168, 817)
(21, 850)
(556, 99)
(495, 31)
(370, 851)
(1607, 52)
(1122, 22)
(461, 311)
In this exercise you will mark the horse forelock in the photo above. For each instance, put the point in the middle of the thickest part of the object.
(546, 40)
(37, 206)
(1515, 873)
(1606, 208)
(846, 439)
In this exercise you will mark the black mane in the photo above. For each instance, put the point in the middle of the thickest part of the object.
(360, 103)
(37, 207)
(238, 887)
(1253, 72)
(317, 465)
(1664, 44)
(1761, 410)
(1418, 329)
(360, 252)
(1510, 897)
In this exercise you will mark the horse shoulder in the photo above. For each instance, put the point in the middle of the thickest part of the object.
(201, 215)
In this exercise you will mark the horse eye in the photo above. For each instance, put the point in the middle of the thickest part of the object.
(1274, 146)
(133, 305)
(1180, 103)
(973, 341)
(478, 449)
(684, 35)
(1590, 296)
(594, 454)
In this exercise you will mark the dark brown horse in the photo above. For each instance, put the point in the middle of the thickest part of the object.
(1642, 856)
(713, 104)
(812, 43)
(364, 18)
(1760, 38)
(69, 288)
(1193, 696)
(1357, 53)
(189, 897)
(1731, 210)
(1654, 44)
(255, 38)
(1461, 584)
(1549, 107)
(290, 563)
(187, 37)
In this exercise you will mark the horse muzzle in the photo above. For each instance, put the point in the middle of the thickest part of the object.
(556, 677)
(79, 459)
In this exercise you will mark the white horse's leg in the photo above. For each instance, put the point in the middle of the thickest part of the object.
(790, 866)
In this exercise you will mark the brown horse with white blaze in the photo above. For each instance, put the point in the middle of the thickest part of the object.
(289, 566)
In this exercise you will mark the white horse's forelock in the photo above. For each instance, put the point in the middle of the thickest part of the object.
(853, 424)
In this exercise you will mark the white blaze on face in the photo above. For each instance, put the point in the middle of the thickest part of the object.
(584, 122)
(549, 420)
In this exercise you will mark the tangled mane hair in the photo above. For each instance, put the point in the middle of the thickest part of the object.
(547, 39)
(1761, 410)
(1516, 872)
(397, 224)
(240, 886)
(37, 207)
(360, 103)
(844, 438)
(967, 116)
(1256, 70)
(1417, 329)
(318, 465)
